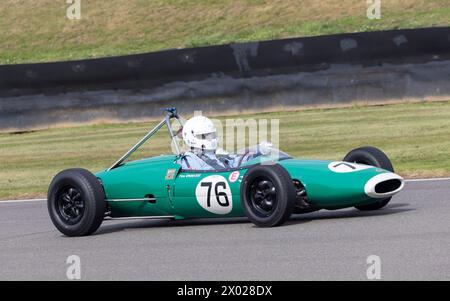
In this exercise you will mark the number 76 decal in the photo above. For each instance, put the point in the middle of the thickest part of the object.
(214, 194)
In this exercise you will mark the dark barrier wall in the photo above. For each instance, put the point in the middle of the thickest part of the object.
(370, 66)
(237, 60)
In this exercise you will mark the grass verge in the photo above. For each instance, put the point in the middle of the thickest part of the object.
(39, 31)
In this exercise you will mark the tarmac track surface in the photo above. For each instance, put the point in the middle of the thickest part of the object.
(411, 236)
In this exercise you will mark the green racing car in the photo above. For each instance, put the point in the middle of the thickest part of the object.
(266, 187)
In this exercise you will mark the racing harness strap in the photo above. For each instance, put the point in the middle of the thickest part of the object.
(211, 162)
(183, 158)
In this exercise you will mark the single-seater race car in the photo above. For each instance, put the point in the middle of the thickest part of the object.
(267, 186)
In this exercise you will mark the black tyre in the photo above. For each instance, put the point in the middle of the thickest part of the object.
(76, 202)
(370, 155)
(267, 195)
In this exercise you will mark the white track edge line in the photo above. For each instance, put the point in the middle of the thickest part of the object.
(427, 180)
(22, 201)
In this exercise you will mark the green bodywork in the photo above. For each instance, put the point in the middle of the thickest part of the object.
(174, 191)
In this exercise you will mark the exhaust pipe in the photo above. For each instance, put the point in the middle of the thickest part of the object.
(384, 185)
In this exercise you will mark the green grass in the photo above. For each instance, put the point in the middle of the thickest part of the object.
(39, 31)
(414, 135)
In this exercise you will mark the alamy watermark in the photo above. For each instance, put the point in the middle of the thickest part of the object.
(73, 271)
(374, 270)
(373, 9)
(73, 11)
(236, 136)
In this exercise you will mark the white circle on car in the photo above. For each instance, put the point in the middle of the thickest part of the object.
(345, 167)
(213, 193)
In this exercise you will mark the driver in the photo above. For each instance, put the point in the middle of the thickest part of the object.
(200, 135)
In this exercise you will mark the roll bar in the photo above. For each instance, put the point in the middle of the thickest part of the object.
(169, 114)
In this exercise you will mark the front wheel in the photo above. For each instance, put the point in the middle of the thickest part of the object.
(267, 195)
(373, 156)
(76, 202)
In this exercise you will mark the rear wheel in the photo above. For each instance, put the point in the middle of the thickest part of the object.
(267, 195)
(76, 202)
(370, 155)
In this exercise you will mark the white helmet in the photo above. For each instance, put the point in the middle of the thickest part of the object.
(199, 132)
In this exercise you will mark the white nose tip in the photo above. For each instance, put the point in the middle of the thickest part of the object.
(384, 185)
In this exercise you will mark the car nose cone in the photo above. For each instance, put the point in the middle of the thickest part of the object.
(384, 185)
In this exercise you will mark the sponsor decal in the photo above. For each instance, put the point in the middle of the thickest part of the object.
(346, 167)
(170, 174)
(190, 175)
(213, 193)
(234, 176)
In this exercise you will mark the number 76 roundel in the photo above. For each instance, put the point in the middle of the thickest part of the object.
(213, 193)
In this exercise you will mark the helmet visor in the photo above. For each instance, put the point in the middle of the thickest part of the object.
(207, 136)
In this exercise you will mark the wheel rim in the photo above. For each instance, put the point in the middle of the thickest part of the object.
(262, 197)
(70, 205)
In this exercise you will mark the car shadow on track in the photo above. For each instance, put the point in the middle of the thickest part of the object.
(141, 224)
(294, 220)
(348, 213)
